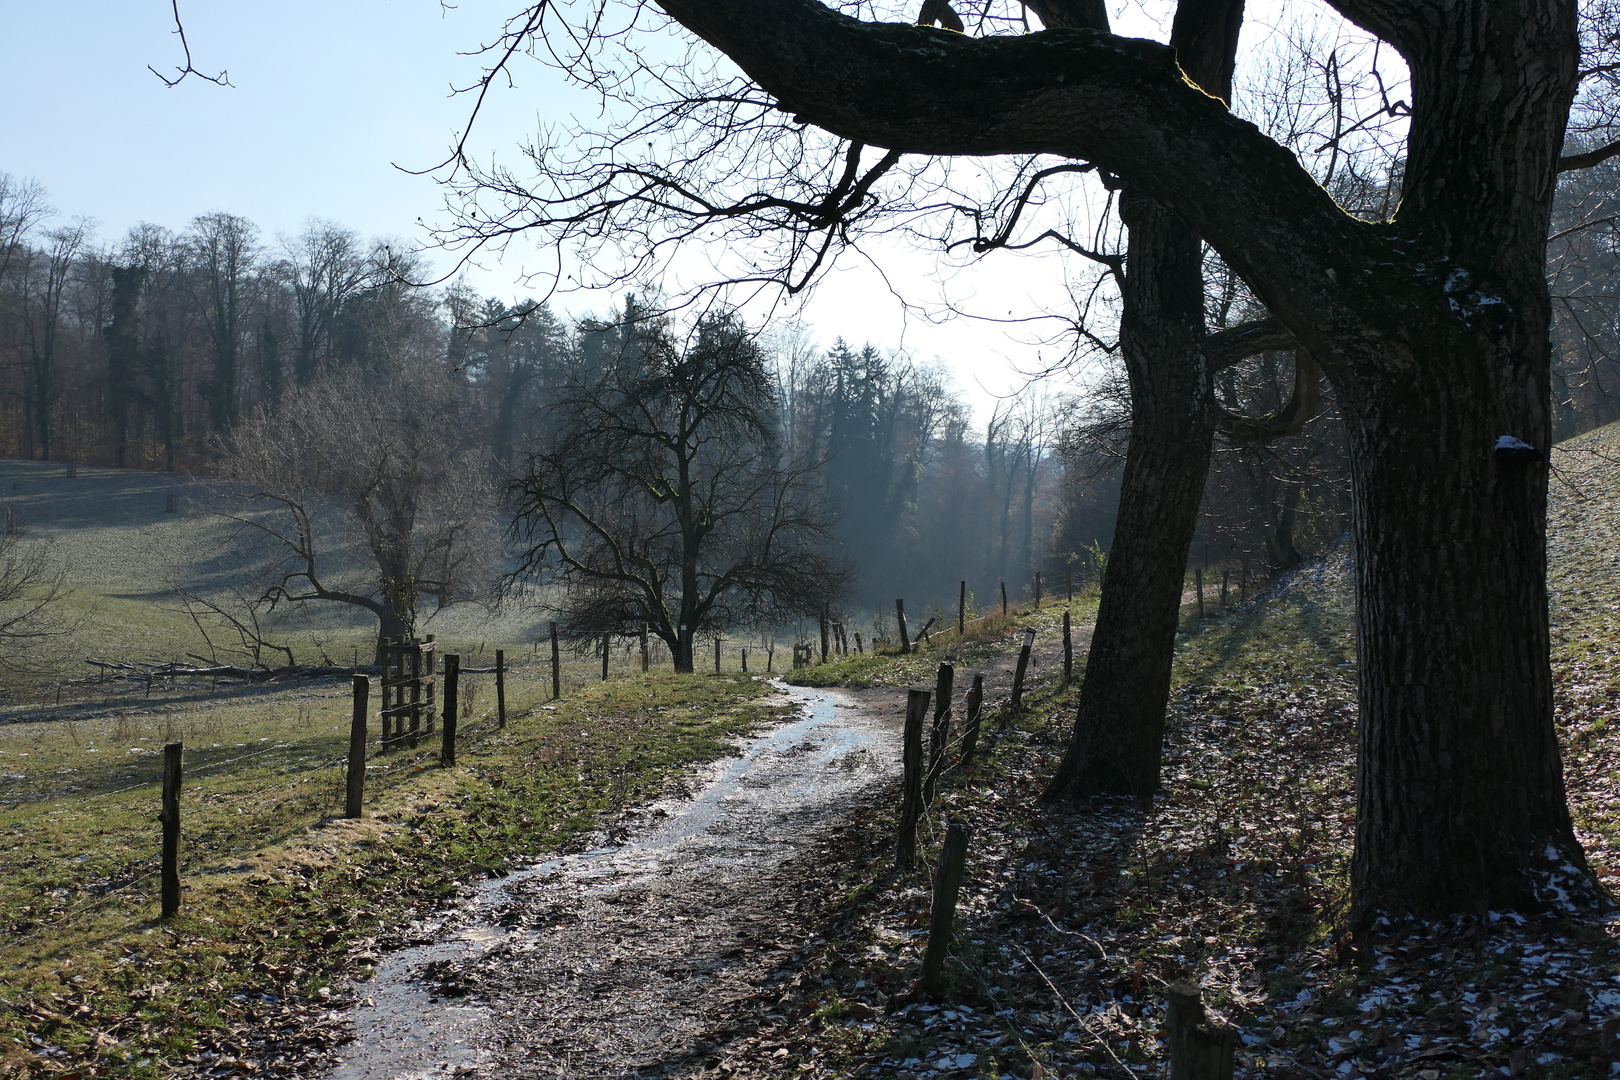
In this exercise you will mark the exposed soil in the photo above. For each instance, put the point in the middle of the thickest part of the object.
(632, 958)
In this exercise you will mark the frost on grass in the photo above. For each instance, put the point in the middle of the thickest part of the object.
(1075, 920)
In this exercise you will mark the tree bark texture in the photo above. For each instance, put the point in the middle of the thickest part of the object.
(1119, 722)
(1433, 328)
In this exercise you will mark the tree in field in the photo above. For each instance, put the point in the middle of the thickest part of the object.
(659, 492)
(1432, 326)
(369, 489)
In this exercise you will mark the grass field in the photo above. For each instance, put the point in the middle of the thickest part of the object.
(282, 899)
(126, 552)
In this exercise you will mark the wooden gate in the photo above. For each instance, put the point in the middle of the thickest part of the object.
(409, 682)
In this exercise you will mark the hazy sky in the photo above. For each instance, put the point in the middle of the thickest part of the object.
(330, 101)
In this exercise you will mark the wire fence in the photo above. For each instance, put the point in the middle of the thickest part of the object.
(222, 818)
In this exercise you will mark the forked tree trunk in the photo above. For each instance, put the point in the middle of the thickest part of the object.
(1432, 326)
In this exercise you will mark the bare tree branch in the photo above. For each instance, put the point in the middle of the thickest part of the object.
(222, 79)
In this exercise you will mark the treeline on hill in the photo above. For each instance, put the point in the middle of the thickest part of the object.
(147, 351)
(139, 353)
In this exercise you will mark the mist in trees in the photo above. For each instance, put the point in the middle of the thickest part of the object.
(658, 494)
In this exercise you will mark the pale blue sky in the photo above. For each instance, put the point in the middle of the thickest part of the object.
(327, 99)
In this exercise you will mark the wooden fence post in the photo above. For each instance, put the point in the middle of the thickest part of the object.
(1198, 1050)
(500, 686)
(858, 646)
(745, 659)
(357, 749)
(1003, 599)
(644, 648)
(1198, 584)
(452, 678)
(947, 886)
(940, 730)
(1068, 652)
(911, 779)
(717, 653)
(170, 873)
(1018, 675)
(607, 649)
(975, 712)
(770, 658)
(900, 617)
(961, 609)
(823, 633)
(414, 653)
(556, 665)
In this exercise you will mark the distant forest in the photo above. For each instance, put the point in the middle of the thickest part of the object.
(141, 353)
(144, 352)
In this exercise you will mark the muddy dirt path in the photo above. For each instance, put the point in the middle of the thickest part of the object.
(626, 959)
(643, 956)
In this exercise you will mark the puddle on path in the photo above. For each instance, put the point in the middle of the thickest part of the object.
(759, 809)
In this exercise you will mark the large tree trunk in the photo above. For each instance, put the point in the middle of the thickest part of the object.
(1119, 723)
(1460, 792)
(1433, 328)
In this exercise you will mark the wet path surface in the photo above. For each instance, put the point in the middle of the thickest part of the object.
(621, 961)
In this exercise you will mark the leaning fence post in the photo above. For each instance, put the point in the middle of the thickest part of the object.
(556, 665)
(975, 711)
(900, 617)
(940, 730)
(452, 678)
(357, 749)
(1003, 599)
(170, 817)
(947, 886)
(911, 779)
(1068, 651)
(500, 685)
(1198, 1050)
(1018, 675)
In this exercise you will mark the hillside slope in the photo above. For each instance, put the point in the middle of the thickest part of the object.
(125, 551)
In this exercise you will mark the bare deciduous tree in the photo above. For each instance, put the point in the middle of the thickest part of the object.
(367, 489)
(1432, 326)
(660, 493)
